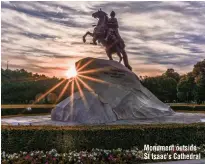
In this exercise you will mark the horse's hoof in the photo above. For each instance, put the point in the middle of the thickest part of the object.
(129, 67)
(84, 40)
(93, 43)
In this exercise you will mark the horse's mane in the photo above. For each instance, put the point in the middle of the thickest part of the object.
(106, 16)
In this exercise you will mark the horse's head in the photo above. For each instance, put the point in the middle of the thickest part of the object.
(99, 14)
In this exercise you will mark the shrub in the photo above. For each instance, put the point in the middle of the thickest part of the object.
(64, 138)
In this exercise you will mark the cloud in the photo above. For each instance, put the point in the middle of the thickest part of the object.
(46, 37)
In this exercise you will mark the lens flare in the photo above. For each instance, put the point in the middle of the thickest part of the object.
(94, 79)
(71, 72)
(63, 91)
(75, 78)
(82, 94)
(49, 91)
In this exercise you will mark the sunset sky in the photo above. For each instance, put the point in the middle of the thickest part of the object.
(46, 37)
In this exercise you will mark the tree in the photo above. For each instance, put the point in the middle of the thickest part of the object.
(199, 73)
(199, 93)
(199, 69)
(171, 73)
(185, 87)
(20, 86)
(163, 87)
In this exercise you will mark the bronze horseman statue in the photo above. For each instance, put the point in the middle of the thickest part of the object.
(106, 33)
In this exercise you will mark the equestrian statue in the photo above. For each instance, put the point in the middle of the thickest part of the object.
(106, 32)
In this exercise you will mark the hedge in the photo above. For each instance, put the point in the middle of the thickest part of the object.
(5, 112)
(64, 138)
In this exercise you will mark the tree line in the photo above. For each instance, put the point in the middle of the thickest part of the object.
(23, 87)
(171, 87)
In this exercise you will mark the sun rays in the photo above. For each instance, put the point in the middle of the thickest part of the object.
(93, 70)
(81, 82)
(49, 91)
(93, 79)
(63, 91)
(81, 94)
(85, 85)
(78, 82)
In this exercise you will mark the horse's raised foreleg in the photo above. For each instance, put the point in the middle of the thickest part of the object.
(87, 33)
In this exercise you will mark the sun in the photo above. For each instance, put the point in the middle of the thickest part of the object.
(71, 72)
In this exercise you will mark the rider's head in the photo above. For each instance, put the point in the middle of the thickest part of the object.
(112, 14)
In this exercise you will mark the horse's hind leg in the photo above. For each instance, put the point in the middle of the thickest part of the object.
(109, 54)
(119, 54)
(94, 41)
(125, 59)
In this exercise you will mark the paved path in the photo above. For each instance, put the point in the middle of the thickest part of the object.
(185, 118)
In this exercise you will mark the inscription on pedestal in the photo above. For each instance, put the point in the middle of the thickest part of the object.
(115, 73)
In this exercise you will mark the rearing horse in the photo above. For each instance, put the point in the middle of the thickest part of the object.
(112, 45)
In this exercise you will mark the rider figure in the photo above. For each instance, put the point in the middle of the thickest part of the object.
(113, 27)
